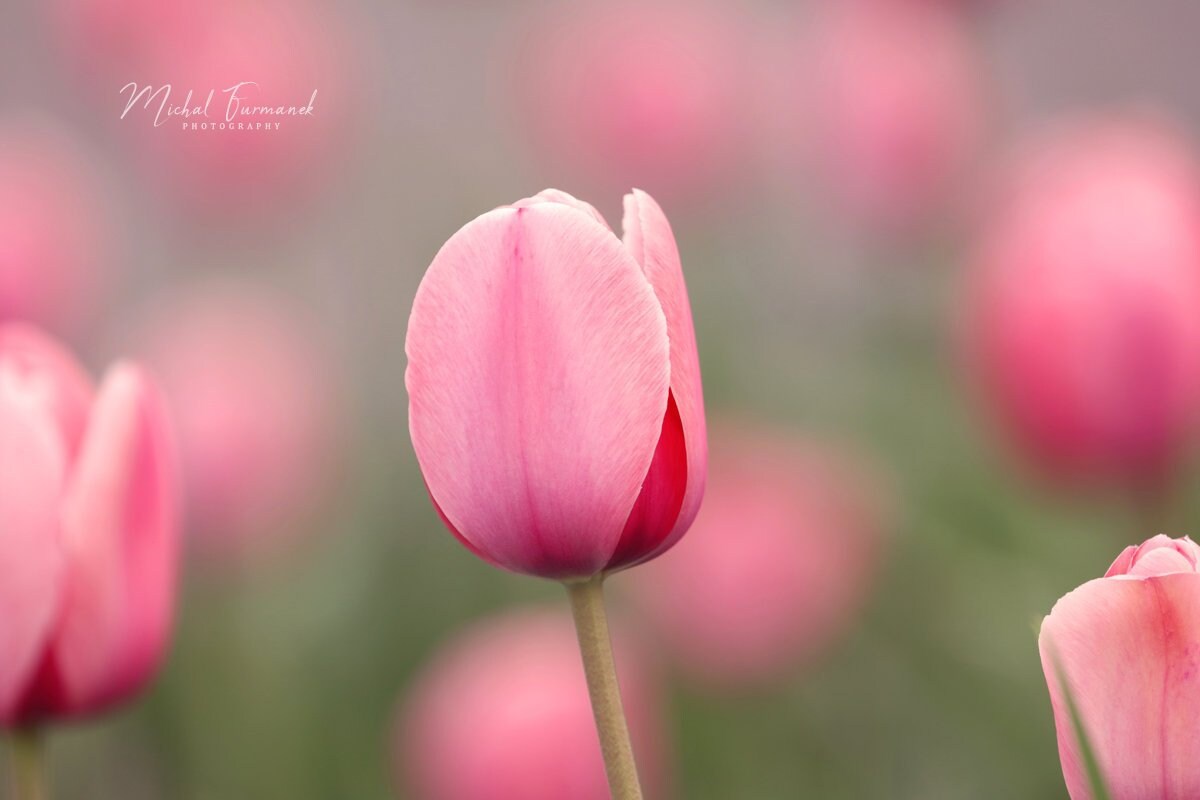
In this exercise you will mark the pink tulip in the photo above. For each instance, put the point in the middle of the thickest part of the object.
(554, 387)
(253, 395)
(893, 105)
(88, 545)
(53, 245)
(777, 565)
(1084, 308)
(502, 713)
(617, 93)
(1127, 645)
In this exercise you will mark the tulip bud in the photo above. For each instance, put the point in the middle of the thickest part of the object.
(1084, 307)
(778, 562)
(252, 393)
(502, 713)
(88, 547)
(554, 387)
(1126, 646)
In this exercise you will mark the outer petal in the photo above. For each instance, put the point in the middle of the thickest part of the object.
(562, 198)
(1130, 648)
(52, 376)
(31, 473)
(649, 238)
(121, 532)
(538, 369)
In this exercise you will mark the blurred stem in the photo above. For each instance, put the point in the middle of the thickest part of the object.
(27, 767)
(591, 623)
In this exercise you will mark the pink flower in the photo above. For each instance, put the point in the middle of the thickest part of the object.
(554, 387)
(1083, 318)
(892, 103)
(634, 91)
(89, 541)
(502, 713)
(252, 390)
(53, 240)
(1129, 647)
(778, 563)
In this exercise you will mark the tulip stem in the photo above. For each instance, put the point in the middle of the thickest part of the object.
(591, 624)
(27, 766)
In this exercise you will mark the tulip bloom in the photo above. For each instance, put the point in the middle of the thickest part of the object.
(1084, 307)
(88, 544)
(1127, 645)
(53, 241)
(501, 713)
(253, 398)
(645, 91)
(778, 562)
(893, 107)
(554, 388)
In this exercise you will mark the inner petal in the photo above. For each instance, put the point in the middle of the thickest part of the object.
(657, 506)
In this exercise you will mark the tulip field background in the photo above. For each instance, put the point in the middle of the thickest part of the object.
(825, 313)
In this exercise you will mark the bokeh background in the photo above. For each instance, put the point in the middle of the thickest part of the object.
(828, 168)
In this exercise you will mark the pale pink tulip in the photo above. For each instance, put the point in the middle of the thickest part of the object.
(636, 92)
(253, 393)
(1127, 645)
(54, 249)
(88, 547)
(502, 713)
(1083, 316)
(892, 107)
(554, 387)
(778, 563)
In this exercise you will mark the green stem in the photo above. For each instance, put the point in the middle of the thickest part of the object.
(27, 766)
(591, 623)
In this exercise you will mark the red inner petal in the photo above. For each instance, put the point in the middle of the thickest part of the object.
(657, 507)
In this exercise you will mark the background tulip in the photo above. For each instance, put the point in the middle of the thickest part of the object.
(253, 393)
(89, 565)
(554, 388)
(779, 560)
(626, 93)
(1126, 644)
(281, 51)
(1084, 314)
(501, 713)
(891, 107)
(54, 244)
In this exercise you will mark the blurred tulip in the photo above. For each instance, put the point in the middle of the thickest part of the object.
(892, 107)
(282, 52)
(1127, 646)
(554, 387)
(502, 713)
(53, 242)
(777, 565)
(637, 93)
(1084, 310)
(88, 547)
(253, 393)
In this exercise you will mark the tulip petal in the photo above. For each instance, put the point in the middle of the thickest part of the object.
(538, 369)
(1130, 648)
(649, 238)
(562, 198)
(121, 534)
(49, 371)
(32, 465)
